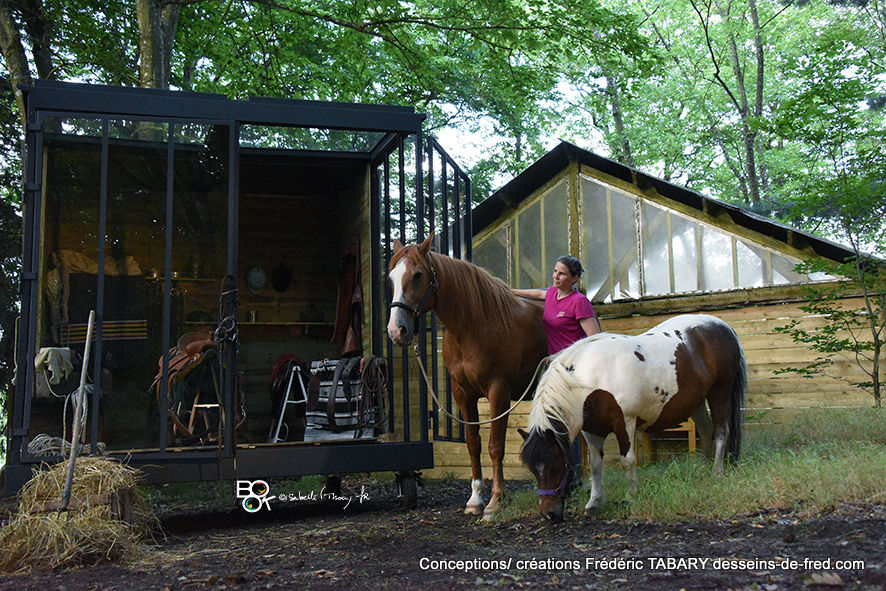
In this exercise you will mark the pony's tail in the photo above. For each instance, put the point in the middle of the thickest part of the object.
(736, 402)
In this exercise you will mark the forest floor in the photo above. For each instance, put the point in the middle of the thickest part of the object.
(362, 540)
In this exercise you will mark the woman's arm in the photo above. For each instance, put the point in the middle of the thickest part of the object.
(590, 325)
(530, 294)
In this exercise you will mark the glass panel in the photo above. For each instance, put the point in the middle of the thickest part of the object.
(656, 261)
(556, 225)
(135, 235)
(625, 269)
(683, 242)
(492, 253)
(294, 138)
(783, 271)
(532, 269)
(595, 239)
(716, 260)
(752, 263)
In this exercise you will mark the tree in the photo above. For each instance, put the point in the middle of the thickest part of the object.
(844, 189)
(703, 116)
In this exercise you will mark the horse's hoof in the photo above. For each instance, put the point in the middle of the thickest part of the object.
(473, 509)
(488, 515)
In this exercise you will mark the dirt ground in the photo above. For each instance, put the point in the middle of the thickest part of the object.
(372, 544)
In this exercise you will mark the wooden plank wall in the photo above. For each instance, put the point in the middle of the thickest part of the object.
(771, 397)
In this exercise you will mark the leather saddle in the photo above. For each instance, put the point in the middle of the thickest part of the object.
(186, 356)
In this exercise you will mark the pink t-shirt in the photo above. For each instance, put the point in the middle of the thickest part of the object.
(561, 318)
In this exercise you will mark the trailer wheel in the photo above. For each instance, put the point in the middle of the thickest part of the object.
(407, 491)
(333, 485)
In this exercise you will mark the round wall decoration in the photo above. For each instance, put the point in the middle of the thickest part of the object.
(256, 279)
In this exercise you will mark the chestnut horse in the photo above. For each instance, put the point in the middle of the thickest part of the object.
(492, 345)
(610, 383)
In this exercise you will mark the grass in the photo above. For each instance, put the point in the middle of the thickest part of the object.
(819, 460)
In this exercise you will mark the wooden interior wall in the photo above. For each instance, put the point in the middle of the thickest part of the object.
(303, 216)
(771, 397)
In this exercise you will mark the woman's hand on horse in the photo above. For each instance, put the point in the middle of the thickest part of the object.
(530, 294)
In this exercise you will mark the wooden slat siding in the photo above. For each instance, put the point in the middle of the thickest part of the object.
(771, 399)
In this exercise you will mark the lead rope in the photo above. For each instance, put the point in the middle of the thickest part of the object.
(462, 421)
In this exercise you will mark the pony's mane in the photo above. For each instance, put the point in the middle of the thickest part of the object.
(551, 404)
(536, 450)
(475, 291)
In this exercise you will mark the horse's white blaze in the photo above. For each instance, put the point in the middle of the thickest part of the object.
(394, 323)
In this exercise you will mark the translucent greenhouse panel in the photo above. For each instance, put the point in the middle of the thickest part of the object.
(625, 272)
(531, 269)
(492, 253)
(716, 260)
(556, 226)
(684, 234)
(783, 271)
(753, 263)
(656, 259)
(594, 238)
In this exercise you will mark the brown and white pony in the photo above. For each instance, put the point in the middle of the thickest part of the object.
(492, 344)
(612, 383)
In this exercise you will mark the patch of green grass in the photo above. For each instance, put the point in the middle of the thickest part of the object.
(817, 461)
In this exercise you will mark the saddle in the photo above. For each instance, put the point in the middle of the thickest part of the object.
(185, 357)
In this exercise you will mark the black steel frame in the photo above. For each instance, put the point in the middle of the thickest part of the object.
(399, 124)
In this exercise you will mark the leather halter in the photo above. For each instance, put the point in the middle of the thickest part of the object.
(433, 287)
(560, 491)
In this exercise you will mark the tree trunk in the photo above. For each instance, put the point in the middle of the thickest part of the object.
(157, 23)
(39, 32)
(625, 156)
(14, 54)
(741, 101)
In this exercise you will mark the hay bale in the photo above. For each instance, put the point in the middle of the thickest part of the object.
(91, 531)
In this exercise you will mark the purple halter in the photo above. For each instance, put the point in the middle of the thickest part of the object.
(560, 491)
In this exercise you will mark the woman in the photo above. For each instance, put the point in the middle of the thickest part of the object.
(568, 317)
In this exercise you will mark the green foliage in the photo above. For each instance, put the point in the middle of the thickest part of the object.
(843, 331)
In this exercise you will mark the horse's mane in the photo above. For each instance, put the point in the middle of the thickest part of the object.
(551, 404)
(476, 290)
(472, 291)
(535, 449)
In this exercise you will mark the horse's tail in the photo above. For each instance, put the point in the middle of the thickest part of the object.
(736, 402)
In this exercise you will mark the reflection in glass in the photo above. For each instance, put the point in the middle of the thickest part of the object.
(716, 260)
(492, 253)
(595, 239)
(532, 270)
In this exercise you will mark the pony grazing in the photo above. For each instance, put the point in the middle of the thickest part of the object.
(611, 383)
(492, 344)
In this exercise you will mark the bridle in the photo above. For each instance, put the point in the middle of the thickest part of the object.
(560, 491)
(433, 288)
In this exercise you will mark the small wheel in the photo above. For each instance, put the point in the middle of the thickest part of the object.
(407, 491)
(333, 485)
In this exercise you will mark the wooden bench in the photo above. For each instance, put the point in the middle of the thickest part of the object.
(644, 442)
